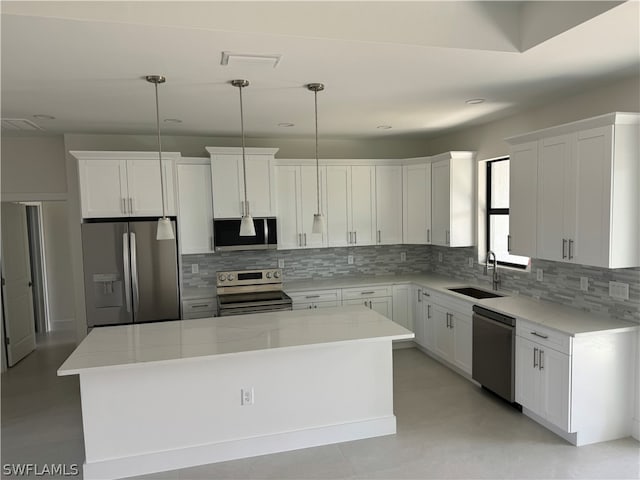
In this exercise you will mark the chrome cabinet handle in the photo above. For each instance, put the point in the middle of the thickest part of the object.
(564, 247)
(428, 311)
(123, 207)
(540, 335)
(350, 237)
(508, 243)
(541, 359)
(419, 295)
(355, 237)
(428, 235)
(448, 235)
(130, 204)
(211, 243)
(447, 320)
(315, 306)
(570, 249)
(425, 293)
(312, 296)
(535, 360)
(367, 293)
(305, 239)
(299, 239)
(201, 305)
(379, 236)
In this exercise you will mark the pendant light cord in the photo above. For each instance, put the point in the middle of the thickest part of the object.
(160, 151)
(244, 161)
(315, 96)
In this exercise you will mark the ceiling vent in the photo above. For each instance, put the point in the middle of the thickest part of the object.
(19, 125)
(267, 60)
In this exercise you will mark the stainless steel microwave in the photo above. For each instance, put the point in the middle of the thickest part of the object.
(226, 235)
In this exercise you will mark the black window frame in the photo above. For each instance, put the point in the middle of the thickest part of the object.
(496, 211)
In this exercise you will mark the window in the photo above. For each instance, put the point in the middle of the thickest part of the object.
(498, 214)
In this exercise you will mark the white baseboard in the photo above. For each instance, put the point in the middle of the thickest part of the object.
(234, 449)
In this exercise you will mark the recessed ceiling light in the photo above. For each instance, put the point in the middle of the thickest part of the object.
(384, 127)
(474, 101)
(42, 116)
(286, 124)
(172, 120)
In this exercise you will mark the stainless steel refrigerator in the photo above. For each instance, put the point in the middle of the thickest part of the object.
(129, 276)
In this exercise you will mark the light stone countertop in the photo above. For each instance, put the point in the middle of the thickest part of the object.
(565, 319)
(127, 346)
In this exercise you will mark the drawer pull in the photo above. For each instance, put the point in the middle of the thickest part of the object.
(535, 359)
(312, 296)
(367, 293)
(201, 305)
(540, 335)
(425, 293)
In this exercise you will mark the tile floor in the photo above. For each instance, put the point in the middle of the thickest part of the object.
(447, 428)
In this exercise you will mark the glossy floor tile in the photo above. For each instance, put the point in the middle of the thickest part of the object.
(447, 429)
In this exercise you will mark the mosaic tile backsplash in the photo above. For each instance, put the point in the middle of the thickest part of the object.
(561, 282)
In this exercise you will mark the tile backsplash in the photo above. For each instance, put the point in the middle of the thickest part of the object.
(561, 281)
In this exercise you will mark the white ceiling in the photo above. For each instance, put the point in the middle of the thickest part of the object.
(410, 65)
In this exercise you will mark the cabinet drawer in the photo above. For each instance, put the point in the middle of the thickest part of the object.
(366, 292)
(543, 336)
(199, 308)
(315, 296)
(312, 305)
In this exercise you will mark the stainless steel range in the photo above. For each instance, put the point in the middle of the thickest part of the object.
(251, 291)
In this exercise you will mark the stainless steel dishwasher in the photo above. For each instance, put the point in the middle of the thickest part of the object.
(494, 352)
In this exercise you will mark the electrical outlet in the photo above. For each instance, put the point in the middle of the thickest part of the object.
(281, 263)
(350, 259)
(403, 256)
(584, 284)
(619, 290)
(440, 257)
(539, 274)
(246, 396)
(195, 268)
(471, 262)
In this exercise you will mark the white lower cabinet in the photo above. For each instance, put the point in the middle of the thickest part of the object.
(378, 298)
(542, 381)
(403, 308)
(316, 299)
(198, 308)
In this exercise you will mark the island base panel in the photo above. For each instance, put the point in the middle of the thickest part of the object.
(157, 417)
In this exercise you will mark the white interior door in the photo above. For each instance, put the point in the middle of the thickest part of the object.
(16, 275)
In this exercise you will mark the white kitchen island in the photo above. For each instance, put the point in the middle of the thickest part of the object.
(163, 396)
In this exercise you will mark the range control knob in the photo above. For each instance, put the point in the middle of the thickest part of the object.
(276, 274)
(221, 277)
(268, 274)
(230, 276)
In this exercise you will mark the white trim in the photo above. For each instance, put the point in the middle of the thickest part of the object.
(118, 155)
(43, 259)
(237, 150)
(34, 197)
(155, 462)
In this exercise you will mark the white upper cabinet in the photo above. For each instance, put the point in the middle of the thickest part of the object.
(587, 199)
(228, 181)
(452, 200)
(125, 184)
(416, 204)
(296, 199)
(388, 204)
(195, 206)
(523, 194)
(350, 208)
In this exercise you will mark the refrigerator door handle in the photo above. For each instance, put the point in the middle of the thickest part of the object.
(127, 273)
(134, 273)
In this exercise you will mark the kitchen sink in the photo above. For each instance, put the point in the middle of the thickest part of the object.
(474, 292)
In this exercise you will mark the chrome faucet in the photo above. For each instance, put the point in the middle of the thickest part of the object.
(496, 274)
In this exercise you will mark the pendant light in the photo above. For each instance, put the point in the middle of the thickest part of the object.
(165, 230)
(318, 218)
(247, 228)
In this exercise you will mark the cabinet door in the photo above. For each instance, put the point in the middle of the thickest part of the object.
(553, 169)
(288, 204)
(527, 375)
(259, 181)
(555, 384)
(338, 205)
(227, 187)
(462, 342)
(523, 195)
(403, 306)
(195, 208)
(389, 204)
(416, 205)
(440, 202)
(382, 305)
(143, 180)
(362, 219)
(442, 335)
(103, 188)
(592, 201)
(309, 205)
